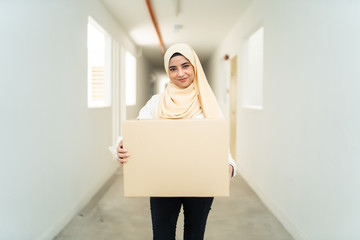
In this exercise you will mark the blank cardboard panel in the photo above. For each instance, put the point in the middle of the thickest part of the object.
(176, 158)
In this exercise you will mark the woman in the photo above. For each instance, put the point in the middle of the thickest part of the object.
(188, 95)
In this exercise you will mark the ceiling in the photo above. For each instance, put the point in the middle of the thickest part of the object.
(202, 23)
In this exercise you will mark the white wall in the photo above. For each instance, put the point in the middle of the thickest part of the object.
(301, 152)
(54, 154)
(143, 87)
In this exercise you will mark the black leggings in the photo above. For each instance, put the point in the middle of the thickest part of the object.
(165, 212)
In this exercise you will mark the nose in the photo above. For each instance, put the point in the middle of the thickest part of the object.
(180, 72)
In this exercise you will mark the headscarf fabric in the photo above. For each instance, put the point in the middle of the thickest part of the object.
(179, 103)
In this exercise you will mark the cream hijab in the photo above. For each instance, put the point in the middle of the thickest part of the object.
(178, 103)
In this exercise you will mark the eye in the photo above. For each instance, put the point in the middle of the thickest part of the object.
(172, 69)
(186, 65)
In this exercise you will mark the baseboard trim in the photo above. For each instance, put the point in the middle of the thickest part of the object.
(293, 230)
(84, 204)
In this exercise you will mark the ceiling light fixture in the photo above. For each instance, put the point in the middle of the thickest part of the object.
(177, 7)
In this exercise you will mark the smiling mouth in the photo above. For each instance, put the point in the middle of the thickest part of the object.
(182, 80)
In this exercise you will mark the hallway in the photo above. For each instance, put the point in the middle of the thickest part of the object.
(111, 216)
(65, 67)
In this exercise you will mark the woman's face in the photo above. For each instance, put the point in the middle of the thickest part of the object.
(181, 72)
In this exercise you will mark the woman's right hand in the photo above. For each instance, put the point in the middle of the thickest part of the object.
(122, 153)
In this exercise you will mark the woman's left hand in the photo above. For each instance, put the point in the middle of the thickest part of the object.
(231, 172)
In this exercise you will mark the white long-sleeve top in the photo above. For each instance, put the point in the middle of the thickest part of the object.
(149, 112)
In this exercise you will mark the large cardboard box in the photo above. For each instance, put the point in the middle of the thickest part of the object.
(176, 157)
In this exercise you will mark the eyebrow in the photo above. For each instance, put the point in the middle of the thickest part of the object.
(181, 64)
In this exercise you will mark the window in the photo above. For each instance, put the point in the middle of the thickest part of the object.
(99, 77)
(130, 79)
(253, 80)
